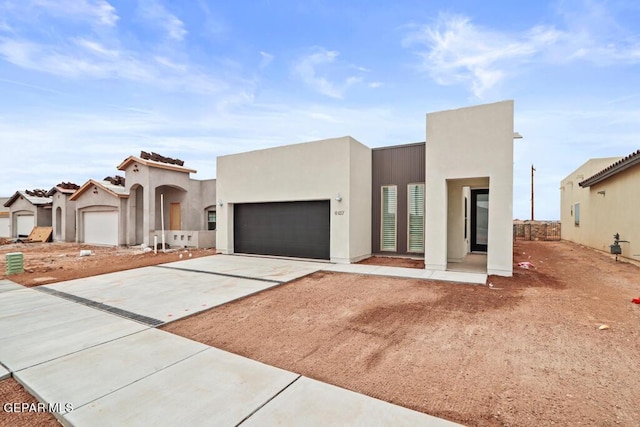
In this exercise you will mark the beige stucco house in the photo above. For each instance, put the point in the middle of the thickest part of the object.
(5, 224)
(63, 218)
(341, 201)
(28, 209)
(130, 209)
(602, 198)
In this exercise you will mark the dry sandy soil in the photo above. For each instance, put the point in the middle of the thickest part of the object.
(394, 261)
(12, 392)
(527, 351)
(55, 262)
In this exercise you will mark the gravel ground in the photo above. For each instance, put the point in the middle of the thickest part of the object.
(525, 351)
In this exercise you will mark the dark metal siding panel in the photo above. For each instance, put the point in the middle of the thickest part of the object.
(295, 229)
(400, 166)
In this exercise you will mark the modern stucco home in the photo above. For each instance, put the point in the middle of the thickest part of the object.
(155, 193)
(28, 209)
(602, 198)
(341, 201)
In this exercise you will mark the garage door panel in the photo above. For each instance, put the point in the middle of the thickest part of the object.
(101, 228)
(25, 224)
(296, 229)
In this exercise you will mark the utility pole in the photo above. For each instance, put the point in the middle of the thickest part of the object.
(532, 171)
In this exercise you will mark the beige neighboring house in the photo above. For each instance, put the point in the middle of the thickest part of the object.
(100, 209)
(602, 198)
(130, 209)
(63, 217)
(28, 209)
(5, 222)
(341, 201)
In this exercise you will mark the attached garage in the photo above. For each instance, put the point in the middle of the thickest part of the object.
(101, 227)
(295, 229)
(25, 224)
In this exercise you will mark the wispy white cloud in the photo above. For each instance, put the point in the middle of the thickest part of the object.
(454, 50)
(266, 59)
(154, 12)
(84, 58)
(100, 12)
(457, 51)
(307, 68)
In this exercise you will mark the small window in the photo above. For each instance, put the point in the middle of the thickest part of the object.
(388, 226)
(211, 220)
(415, 218)
(576, 214)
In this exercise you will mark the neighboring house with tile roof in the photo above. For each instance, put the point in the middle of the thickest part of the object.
(129, 209)
(28, 209)
(100, 208)
(5, 228)
(63, 218)
(602, 198)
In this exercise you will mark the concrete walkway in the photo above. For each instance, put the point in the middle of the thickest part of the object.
(88, 348)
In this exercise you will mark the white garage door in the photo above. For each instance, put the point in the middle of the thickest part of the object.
(25, 224)
(4, 227)
(101, 228)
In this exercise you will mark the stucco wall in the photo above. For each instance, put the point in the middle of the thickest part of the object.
(64, 231)
(175, 187)
(606, 208)
(318, 170)
(470, 143)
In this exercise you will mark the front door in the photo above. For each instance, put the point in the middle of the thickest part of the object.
(479, 220)
(174, 216)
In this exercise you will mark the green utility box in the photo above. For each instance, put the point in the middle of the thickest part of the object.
(15, 263)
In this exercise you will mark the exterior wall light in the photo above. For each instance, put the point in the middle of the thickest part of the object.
(220, 202)
(338, 198)
(603, 192)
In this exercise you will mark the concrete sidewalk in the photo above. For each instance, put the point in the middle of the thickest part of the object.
(97, 369)
(410, 273)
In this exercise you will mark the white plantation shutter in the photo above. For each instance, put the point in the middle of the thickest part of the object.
(389, 209)
(415, 194)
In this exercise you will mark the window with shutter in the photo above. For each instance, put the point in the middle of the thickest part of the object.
(415, 226)
(389, 209)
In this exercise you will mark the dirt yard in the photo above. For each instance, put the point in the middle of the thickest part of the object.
(525, 351)
(12, 393)
(394, 262)
(55, 262)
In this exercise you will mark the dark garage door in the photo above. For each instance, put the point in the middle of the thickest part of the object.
(295, 229)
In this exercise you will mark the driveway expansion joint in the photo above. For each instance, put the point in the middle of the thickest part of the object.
(145, 320)
(267, 402)
(235, 276)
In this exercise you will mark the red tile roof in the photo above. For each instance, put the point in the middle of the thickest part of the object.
(609, 171)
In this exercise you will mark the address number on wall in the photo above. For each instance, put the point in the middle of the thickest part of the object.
(339, 213)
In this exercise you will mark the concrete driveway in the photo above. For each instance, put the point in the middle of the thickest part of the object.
(163, 293)
(88, 348)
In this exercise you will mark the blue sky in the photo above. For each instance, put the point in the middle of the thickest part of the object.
(85, 83)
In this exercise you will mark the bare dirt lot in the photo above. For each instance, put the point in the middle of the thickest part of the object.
(394, 262)
(527, 351)
(46, 263)
(12, 394)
